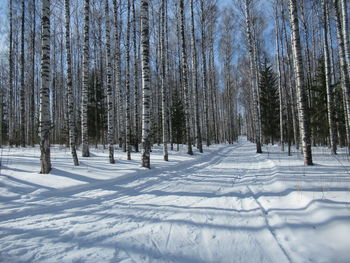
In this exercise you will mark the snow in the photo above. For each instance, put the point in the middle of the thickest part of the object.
(228, 204)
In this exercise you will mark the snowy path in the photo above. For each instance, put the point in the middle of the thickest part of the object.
(231, 205)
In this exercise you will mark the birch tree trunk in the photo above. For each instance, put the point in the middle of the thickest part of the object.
(85, 91)
(163, 84)
(205, 74)
(110, 108)
(345, 82)
(304, 118)
(345, 10)
(44, 112)
(22, 98)
(329, 88)
(195, 82)
(118, 86)
(127, 86)
(10, 101)
(136, 81)
(279, 76)
(1, 112)
(32, 90)
(146, 85)
(254, 87)
(294, 105)
(71, 119)
(185, 80)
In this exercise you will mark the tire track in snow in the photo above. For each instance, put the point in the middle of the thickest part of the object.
(264, 211)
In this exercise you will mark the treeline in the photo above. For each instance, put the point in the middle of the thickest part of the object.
(301, 95)
(134, 73)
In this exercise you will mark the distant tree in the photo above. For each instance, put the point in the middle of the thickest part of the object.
(318, 111)
(178, 118)
(269, 101)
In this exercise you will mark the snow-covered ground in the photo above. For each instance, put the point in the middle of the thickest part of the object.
(226, 205)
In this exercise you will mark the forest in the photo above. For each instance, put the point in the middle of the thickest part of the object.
(131, 74)
(192, 131)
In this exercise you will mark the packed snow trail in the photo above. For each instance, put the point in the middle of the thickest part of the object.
(230, 206)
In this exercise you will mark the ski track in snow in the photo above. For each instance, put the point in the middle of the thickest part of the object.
(227, 205)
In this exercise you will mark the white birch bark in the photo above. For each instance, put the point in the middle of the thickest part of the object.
(329, 88)
(71, 119)
(146, 85)
(205, 74)
(345, 81)
(118, 86)
(257, 123)
(136, 81)
(279, 76)
(345, 24)
(195, 81)
(164, 84)
(185, 80)
(304, 118)
(127, 87)
(32, 89)
(110, 108)
(22, 98)
(84, 99)
(44, 111)
(10, 99)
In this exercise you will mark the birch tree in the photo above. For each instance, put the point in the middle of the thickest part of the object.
(118, 85)
(185, 80)
(329, 88)
(70, 94)
(164, 84)
(146, 85)
(279, 74)
(10, 101)
(110, 108)
(344, 73)
(22, 98)
(304, 118)
(204, 72)
(127, 86)
(345, 24)
(136, 81)
(85, 92)
(195, 81)
(253, 75)
(32, 89)
(44, 111)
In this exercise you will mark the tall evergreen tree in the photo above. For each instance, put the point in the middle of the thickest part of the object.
(269, 100)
